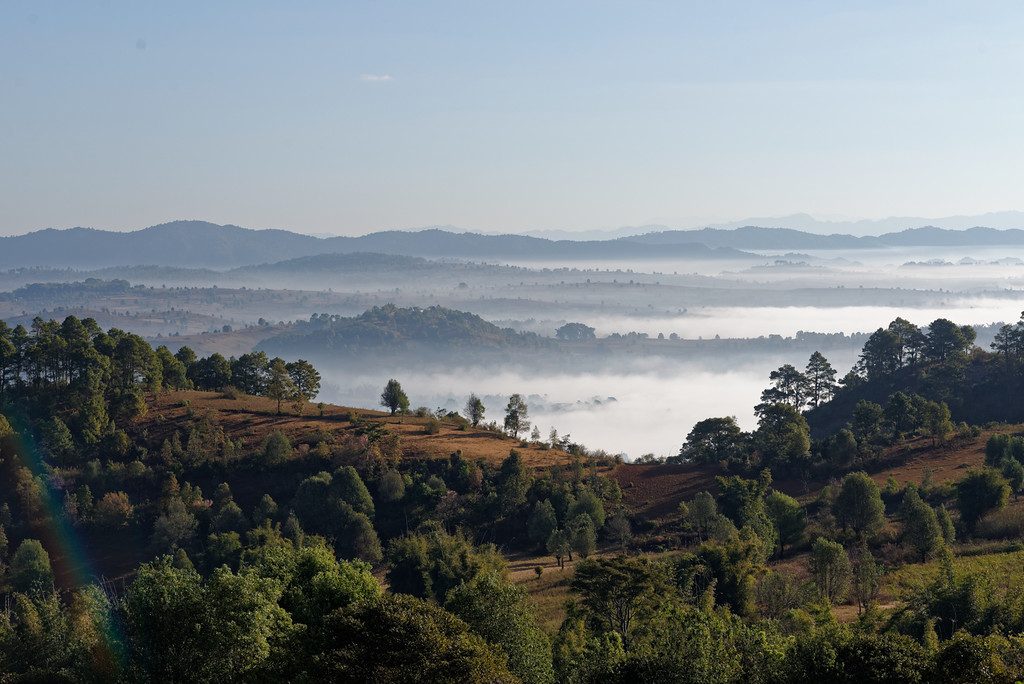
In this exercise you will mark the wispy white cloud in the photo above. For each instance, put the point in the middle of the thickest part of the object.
(375, 77)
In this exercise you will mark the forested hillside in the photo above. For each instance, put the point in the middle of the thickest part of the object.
(389, 330)
(169, 517)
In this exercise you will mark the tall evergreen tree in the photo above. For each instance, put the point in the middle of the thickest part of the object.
(821, 379)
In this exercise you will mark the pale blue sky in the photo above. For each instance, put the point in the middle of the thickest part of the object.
(350, 117)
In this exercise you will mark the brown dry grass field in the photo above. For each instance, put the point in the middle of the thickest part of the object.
(251, 419)
(549, 590)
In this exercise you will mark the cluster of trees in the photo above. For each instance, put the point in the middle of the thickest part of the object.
(81, 365)
(575, 332)
(719, 613)
(517, 412)
(921, 401)
(812, 387)
(76, 291)
(253, 373)
(658, 613)
(904, 345)
(904, 414)
(280, 606)
(638, 619)
(1009, 345)
(288, 611)
(574, 531)
(782, 440)
(146, 482)
(75, 356)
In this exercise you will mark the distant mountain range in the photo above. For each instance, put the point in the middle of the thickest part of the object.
(1001, 220)
(197, 244)
(759, 238)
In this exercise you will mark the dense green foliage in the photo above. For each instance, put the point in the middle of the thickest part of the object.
(269, 575)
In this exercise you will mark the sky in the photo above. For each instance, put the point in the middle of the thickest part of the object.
(351, 117)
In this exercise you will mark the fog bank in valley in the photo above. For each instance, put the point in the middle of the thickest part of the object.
(648, 408)
(762, 321)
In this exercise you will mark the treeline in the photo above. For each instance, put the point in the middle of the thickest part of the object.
(90, 287)
(84, 370)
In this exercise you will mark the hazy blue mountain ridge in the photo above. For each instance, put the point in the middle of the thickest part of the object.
(199, 244)
(207, 245)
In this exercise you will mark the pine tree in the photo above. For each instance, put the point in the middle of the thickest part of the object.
(821, 379)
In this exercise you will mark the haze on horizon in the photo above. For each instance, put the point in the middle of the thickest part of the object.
(351, 118)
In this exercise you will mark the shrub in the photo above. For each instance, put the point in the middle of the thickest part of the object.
(457, 420)
(319, 436)
(432, 426)
(1004, 524)
(979, 492)
(276, 449)
(231, 392)
(30, 567)
(114, 510)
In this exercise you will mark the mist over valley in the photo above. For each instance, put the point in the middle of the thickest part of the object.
(675, 340)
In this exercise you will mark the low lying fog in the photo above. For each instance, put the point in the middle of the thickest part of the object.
(757, 321)
(846, 259)
(649, 410)
(649, 405)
